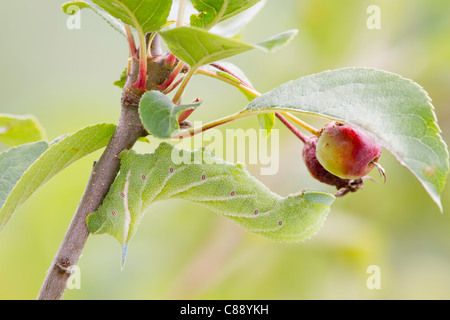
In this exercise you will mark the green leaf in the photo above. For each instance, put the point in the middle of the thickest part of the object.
(60, 155)
(234, 73)
(71, 8)
(278, 41)
(203, 178)
(215, 11)
(145, 15)
(199, 47)
(123, 79)
(159, 114)
(395, 111)
(239, 75)
(231, 27)
(16, 130)
(266, 122)
(13, 164)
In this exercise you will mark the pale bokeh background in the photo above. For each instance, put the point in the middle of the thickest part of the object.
(182, 251)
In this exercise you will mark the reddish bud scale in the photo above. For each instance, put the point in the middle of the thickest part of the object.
(185, 114)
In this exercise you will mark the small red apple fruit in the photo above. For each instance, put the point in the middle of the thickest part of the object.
(346, 152)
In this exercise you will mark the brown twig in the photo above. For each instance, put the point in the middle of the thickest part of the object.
(103, 174)
(128, 131)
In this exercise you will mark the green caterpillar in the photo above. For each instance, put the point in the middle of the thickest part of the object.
(225, 188)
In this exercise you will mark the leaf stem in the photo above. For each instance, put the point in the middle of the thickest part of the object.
(301, 123)
(132, 48)
(141, 81)
(181, 9)
(131, 43)
(182, 134)
(252, 93)
(171, 59)
(173, 86)
(151, 37)
(246, 89)
(293, 129)
(142, 78)
(173, 76)
(222, 68)
(182, 88)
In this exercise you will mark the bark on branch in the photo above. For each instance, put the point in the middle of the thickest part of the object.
(128, 131)
(103, 174)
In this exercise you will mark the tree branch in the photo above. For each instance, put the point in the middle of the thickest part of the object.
(128, 130)
(105, 170)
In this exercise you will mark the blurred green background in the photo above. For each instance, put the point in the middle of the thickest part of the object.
(183, 251)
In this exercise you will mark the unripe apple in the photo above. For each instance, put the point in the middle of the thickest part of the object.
(316, 169)
(346, 152)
